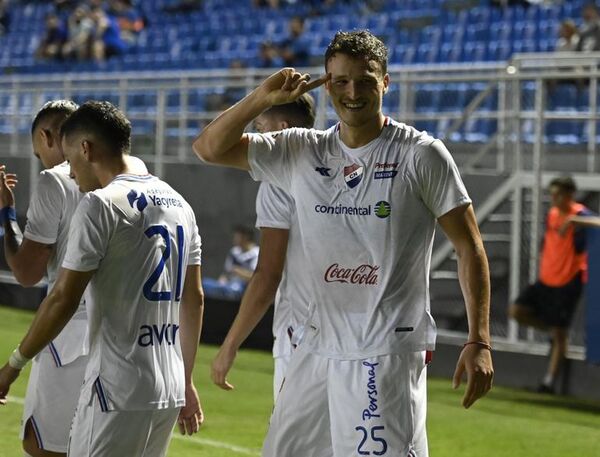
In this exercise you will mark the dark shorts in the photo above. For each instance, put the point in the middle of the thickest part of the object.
(554, 306)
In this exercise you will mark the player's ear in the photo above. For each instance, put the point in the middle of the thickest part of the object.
(386, 83)
(87, 148)
(284, 125)
(47, 137)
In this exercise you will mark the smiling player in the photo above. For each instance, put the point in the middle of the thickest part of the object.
(368, 193)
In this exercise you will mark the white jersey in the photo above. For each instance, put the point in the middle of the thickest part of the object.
(276, 209)
(139, 235)
(367, 218)
(51, 208)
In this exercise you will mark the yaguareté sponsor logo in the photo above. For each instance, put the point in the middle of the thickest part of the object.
(365, 274)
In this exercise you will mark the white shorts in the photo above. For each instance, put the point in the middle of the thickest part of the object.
(51, 400)
(347, 408)
(280, 369)
(97, 433)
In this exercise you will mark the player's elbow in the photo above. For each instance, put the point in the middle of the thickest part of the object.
(27, 277)
(203, 149)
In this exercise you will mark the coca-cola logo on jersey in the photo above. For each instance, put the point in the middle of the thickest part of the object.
(365, 274)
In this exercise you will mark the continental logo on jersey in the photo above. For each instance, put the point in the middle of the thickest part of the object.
(381, 209)
(137, 201)
(386, 170)
(363, 275)
(353, 175)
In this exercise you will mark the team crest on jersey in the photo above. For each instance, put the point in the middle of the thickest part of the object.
(353, 175)
(136, 200)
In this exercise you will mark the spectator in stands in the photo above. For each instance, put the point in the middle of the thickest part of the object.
(589, 37)
(183, 6)
(239, 266)
(268, 56)
(64, 6)
(52, 43)
(294, 51)
(81, 27)
(130, 21)
(4, 17)
(107, 41)
(550, 303)
(568, 37)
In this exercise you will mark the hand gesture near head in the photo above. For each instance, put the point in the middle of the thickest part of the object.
(287, 85)
(7, 183)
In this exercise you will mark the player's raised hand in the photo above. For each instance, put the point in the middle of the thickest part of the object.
(191, 416)
(221, 365)
(287, 85)
(476, 360)
(8, 375)
(7, 183)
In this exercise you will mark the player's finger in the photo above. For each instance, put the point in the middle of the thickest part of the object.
(458, 372)
(288, 83)
(317, 82)
(180, 425)
(468, 398)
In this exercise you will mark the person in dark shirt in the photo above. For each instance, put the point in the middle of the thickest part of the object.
(294, 49)
(55, 37)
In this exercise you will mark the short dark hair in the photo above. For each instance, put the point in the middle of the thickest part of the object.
(358, 44)
(299, 113)
(244, 230)
(565, 183)
(104, 120)
(53, 109)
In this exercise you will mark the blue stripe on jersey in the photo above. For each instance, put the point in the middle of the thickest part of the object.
(55, 355)
(101, 396)
(36, 430)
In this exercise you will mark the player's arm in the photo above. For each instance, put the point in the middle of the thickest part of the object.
(26, 258)
(460, 226)
(223, 141)
(53, 314)
(259, 295)
(580, 221)
(191, 312)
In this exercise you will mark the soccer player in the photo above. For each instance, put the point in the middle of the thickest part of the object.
(57, 372)
(279, 274)
(135, 241)
(368, 192)
(549, 303)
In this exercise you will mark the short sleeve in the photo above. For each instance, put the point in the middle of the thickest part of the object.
(91, 229)
(195, 255)
(274, 207)
(271, 157)
(438, 179)
(45, 210)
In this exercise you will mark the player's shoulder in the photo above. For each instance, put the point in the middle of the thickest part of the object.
(59, 174)
(422, 146)
(406, 135)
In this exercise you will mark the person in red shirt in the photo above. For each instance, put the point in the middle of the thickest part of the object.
(549, 303)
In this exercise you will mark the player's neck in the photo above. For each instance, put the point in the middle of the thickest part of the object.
(110, 169)
(357, 136)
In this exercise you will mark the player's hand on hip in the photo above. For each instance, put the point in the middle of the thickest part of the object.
(8, 375)
(191, 416)
(287, 85)
(477, 362)
(7, 183)
(221, 365)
